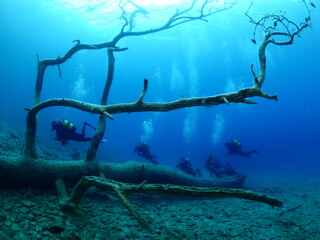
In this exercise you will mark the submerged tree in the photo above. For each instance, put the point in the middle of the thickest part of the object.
(198, 10)
(271, 27)
(30, 170)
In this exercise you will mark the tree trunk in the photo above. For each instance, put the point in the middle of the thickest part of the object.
(43, 173)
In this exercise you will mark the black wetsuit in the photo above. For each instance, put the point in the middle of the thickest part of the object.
(213, 165)
(185, 166)
(65, 132)
(143, 150)
(234, 147)
(228, 170)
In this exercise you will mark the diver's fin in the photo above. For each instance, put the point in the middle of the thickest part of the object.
(254, 151)
(248, 154)
(88, 124)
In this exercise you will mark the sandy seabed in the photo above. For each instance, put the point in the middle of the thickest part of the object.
(30, 214)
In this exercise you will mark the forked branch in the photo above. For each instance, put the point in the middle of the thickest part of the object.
(140, 106)
(178, 18)
(276, 29)
(206, 9)
(122, 189)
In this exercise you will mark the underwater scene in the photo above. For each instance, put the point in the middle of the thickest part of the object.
(159, 119)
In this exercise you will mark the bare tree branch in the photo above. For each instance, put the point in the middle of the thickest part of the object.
(289, 29)
(273, 26)
(140, 106)
(175, 20)
(128, 16)
(144, 91)
(122, 189)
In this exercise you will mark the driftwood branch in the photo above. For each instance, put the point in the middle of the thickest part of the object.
(122, 189)
(177, 19)
(96, 139)
(140, 106)
(273, 26)
(144, 91)
(205, 10)
(17, 173)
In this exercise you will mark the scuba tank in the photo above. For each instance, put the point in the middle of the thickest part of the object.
(68, 125)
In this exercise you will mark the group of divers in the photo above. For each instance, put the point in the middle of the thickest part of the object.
(66, 131)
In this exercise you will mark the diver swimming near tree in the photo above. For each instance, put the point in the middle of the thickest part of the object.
(234, 147)
(214, 166)
(66, 131)
(143, 150)
(229, 170)
(186, 166)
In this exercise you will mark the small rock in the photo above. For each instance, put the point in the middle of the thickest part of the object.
(36, 212)
(24, 210)
(27, 203)
(15, 227)
(55, 229)
(4, 236)
(3, 218)
(209, 216)
(25, 224)
(7, 223)
(30, 217)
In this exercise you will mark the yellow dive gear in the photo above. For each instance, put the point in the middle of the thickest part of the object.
(67, 124)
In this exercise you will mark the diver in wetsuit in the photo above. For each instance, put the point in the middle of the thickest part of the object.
(234, 147)
(185, 166)
(229, 170)
(213, 165)
(65, 131)
(143, 150)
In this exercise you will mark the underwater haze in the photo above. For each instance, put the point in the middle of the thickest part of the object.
(194, 59)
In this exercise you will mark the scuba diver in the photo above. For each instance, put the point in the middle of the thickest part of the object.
(143, 150)
(234, 147)
(185, 166)
(214, 166)
(65, 131)
(228, 169)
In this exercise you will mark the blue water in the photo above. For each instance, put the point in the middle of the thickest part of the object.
(194, 59)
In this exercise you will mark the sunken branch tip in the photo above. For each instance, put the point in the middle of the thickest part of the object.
(108, 115)
(145, 83)
(144, 91)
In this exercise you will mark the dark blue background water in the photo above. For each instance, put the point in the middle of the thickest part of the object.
(194, 59)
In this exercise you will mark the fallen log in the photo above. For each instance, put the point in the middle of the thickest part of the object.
(123, 179)
(43, 173)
